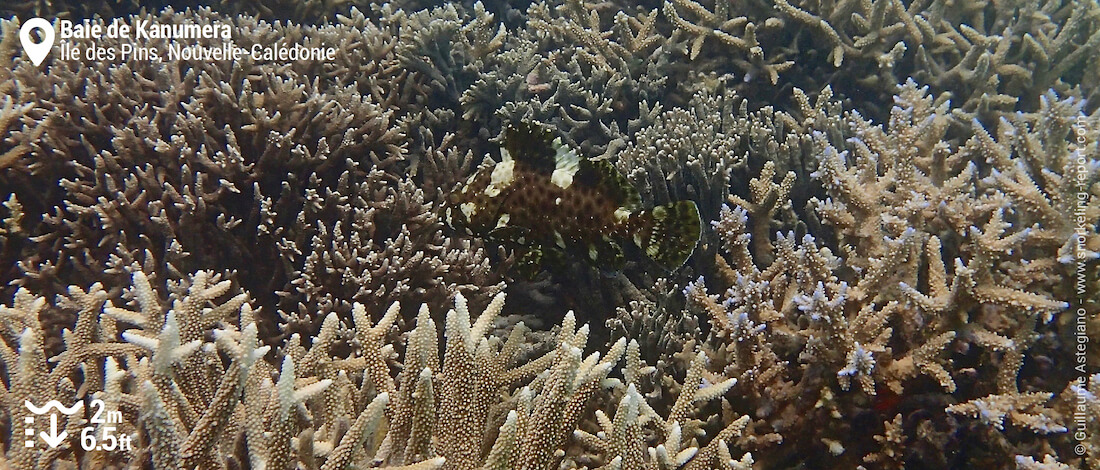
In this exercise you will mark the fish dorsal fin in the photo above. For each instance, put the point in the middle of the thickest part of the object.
(566, 164)
(530, 145)
(535, 148)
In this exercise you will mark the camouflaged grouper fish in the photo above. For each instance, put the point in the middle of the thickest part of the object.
(545, 201)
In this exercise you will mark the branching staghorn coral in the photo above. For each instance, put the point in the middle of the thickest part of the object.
(883, 289)
(709, 150)
(309, 12)
(21, 121)
(732, 33)
(158, 353)
(902, 265)
(577, 69)
(1081, 400)
(240, 164)
(196, 391)
(989, 59)
(371, 242)
(687, 153)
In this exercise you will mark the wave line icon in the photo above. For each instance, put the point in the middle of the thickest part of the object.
(54, 404)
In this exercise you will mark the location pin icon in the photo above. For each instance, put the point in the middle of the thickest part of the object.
(37, 51)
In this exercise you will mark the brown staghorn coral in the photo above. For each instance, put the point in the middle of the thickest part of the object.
(576, 68)
(309, 11)
(195, 391)
(901, 199)
(192, 165)
(988, 56)
(712, 148)
(909, 311)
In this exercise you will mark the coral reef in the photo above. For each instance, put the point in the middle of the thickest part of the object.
(248, 259)
(321, 410)
(888, 294)
(226, 164)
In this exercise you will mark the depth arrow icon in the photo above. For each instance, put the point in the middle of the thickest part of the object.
(53, 439)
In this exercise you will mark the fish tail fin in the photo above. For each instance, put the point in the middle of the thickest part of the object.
(668, 234)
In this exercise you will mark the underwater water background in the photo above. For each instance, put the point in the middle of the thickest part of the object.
(675, 234)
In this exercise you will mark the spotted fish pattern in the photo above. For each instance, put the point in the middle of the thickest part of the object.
(549, 203)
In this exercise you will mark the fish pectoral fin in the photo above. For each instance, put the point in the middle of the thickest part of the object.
(668, 234)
